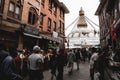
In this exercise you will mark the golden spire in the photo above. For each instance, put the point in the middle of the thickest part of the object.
(81, 12)
(81, 21)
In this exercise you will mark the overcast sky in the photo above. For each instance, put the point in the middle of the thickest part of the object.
(74, 6)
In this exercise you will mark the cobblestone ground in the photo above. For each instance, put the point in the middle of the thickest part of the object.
(82, 74)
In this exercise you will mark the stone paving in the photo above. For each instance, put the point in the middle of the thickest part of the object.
(82, 74)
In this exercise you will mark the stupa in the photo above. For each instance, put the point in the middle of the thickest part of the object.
(81, 35)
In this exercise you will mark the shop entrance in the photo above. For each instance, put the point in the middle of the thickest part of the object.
(29, 42)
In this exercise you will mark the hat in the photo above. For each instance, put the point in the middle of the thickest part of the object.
(36, 48)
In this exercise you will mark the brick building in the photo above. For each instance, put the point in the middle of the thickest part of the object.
(52, 22)
(23, 22)
(109, 21)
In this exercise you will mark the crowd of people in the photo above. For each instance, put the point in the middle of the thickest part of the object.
(32, 64)
(18, 65)
(103, 63)
(24, 65)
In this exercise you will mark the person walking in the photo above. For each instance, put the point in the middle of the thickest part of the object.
(60, 63)
(71, 58)
(100, 64)
(16, 58)
(7, 65)
(78, 58)
(35, 62)
(93, 59)
(53, 64)
(24, 69)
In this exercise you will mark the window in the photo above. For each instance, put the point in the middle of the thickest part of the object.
(49, 23)
(55, 9)
(11, 8)
(41, 19)
(50, 4)
(15, 9)
(60, 26)
(32, 17)
(1, 5)
(61, 13)
(54, 26)
(42, 2)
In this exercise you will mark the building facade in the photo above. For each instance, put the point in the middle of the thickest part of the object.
(52, 22)
(109, 21)
(21, 23)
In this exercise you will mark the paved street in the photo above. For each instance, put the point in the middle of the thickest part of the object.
(82, 74)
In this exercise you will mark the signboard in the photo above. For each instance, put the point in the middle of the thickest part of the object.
(31, 30)
(55, 34)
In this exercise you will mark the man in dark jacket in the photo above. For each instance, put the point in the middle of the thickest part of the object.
(7, 65)
(60, 64)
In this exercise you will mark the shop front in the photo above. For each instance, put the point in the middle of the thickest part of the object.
(8, 33)
(10, 39)
(48, 41)
(29, 37)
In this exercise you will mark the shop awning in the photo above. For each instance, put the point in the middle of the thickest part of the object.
(26, 34)
(50, 38)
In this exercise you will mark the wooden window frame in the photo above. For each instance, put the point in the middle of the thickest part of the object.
(60, 26)
(61, 13)
(32, 16)
(55, 9)
(16, 5)
(54, 26)
(49, 24)
(50, 5)
(41, 18)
